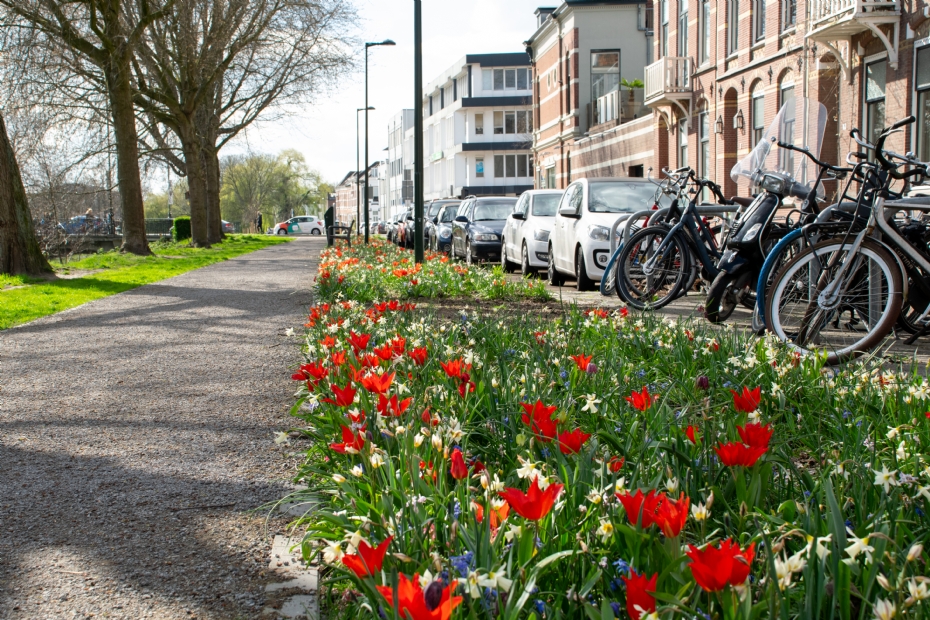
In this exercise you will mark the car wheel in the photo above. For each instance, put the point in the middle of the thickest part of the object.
(281, 231)
(582, 281)
(469, 259)
(525, 268)
(506, 264)
(316, 232)
(555, 278)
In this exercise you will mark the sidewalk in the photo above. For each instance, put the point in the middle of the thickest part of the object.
(135, 434)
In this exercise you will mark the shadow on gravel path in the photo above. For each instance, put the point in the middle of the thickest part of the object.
(136, 432)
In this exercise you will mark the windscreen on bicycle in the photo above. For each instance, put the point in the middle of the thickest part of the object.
(799, 122)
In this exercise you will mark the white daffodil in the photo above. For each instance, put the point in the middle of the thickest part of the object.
(339, 478)
(527, 469)
(819, 545)
(595, 498)
(672, 486)
(496, 580)
(884, 610)
(473, 580)
(281, 438)
(914, 552)
(333, 552)
(918, 591)
(620, 485)
(400, 430)
(515, 531)
(436, 440)
(591, 401)
(357, 471)
(885, 478)
(859, 545)
(700, 512)
(376, 460)
(605, 530)
(418, 440)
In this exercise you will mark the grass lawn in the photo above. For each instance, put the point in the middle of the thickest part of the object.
(113, 273)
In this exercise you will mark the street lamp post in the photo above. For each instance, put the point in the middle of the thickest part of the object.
(358, 191)
(367, 45)
(418, 131)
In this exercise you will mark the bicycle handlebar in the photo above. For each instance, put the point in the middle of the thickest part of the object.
(807, 151)
(920, 169)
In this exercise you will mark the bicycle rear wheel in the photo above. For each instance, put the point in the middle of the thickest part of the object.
(667, 265)
(863, 313)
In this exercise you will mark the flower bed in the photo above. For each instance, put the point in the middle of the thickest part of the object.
(382, 270)
(603, 465)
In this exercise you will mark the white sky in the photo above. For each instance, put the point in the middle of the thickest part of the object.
(325, 133)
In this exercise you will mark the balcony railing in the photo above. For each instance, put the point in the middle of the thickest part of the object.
(834, 10)
(669, 76)
(617, 107)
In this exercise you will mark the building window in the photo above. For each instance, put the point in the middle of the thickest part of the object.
(455, 90)
(875, 99)
(512, 166)
(682, 27)
(758, 116)
(758, 20)
(786, 103)
(789, 14)
(923, 103)
(442, 98)
(664, 39)
(430, 105)
(732, 26)
(706, 32)
(513, 122)
(683, 142)
(524, 122)
(479, 167)
(479, 124)
(506, 79)
(510, 122)
(550, 177)
(704, 144)
(605, 81)
(498, 122)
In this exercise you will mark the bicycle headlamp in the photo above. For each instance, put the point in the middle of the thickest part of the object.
(772, 183)
(752, 233)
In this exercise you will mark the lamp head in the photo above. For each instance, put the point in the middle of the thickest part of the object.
(385, 42)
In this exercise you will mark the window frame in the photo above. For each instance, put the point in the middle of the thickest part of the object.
(758, 21)
(756, 125)
(663, 41)
(479, 171)
(704, 46)
(683, 128)
(593, 54)
(683, 28)
(499, 115)
(789, 14)
(922, 101)
(479, 124)
(872, 104)
(732, 27)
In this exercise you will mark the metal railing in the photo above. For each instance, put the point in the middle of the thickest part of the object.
(823, 10)
(671, 74)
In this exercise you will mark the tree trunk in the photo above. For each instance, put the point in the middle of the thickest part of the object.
(211, 170)
(19, 249)
(127, 153)
(196, 183)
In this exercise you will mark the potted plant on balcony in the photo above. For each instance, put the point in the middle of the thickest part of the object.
(629, 85)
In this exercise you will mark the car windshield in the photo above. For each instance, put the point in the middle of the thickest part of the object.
(434, 209)
(488, 211)
(448, 214)
(545, 205)
(620, 197)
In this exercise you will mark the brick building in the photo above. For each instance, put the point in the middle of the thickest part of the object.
(346, 201)
(587, 122)
(724, 68)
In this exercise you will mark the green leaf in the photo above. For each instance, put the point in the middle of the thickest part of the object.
(590, 583)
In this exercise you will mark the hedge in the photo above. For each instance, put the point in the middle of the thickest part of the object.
(181, 229)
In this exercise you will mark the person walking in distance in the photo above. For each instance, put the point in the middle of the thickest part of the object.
(258, 223)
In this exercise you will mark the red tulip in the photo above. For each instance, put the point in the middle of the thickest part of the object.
(716, 567)
(755, 435)
(344, 396)
(747, 402)
(312, 373)
(582, 361)
(497, 514)
(454, 369)
(392, 408)
(359, 341)
(616, 463)
(339, 358)
(385, 352)
(435, 603)
(639, 504)
(378, 384)
(352, 443)
(642, 400)
(399, 344)
(328, 342)
(368, 561)
(672, 515)
(736, 454)
(639, 601)
(570, 443)
(535, 504)
(466, 387)
(539, 418)
(418, 355)
(458, 469)
(691, 432)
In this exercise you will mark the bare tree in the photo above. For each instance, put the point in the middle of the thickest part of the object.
(19, 250)
(211, 68)
(104, 33)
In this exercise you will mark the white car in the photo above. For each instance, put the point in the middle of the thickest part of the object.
(526, 233)
(579, 246)
(300, 225)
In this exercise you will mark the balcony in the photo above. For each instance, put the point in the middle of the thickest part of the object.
(616, 107)
(838, 20)
(668, 83)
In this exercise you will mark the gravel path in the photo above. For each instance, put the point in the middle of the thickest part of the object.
(137, 431)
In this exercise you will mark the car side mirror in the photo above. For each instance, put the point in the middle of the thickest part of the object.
(436, 220)
(569, 212)
(461, 218)
(518, 216)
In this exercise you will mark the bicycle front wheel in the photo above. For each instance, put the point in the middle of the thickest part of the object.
(851, 322)
(651, 268)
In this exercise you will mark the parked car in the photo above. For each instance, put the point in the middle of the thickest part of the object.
(440, 230)
(395, 226)
(405, 230)
(477, 227)
(579, 245)
(432, 217)
(228, 227)
(526, 233)
(300, 225)
(84, 225)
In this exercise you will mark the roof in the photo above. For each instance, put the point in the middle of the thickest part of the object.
(573, 4)
(498, 60)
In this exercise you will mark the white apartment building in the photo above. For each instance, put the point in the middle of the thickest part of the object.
(397, 172)
(478, 128)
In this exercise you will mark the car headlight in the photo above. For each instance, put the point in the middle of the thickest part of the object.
(485, 237)
(444, 231)
(599, 233)
(774, 184)
(541, 235)
(752, 233)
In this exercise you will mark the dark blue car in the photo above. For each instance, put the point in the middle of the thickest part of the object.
(477, 228)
